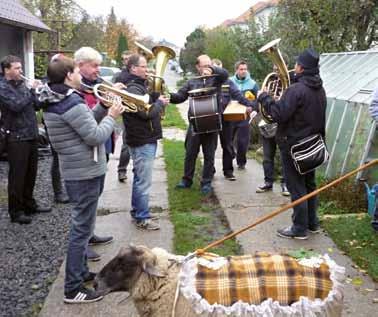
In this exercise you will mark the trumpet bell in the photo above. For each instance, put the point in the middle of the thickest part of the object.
(131, 102)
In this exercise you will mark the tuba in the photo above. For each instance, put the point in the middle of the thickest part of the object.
(275, 84)
(130, 102)
(142, 50)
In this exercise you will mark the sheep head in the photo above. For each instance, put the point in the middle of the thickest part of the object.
(123, 271)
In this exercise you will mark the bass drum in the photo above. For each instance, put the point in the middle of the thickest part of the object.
(203, 111)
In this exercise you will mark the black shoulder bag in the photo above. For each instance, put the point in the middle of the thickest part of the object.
(309, 153)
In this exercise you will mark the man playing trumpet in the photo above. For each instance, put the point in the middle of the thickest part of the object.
(143, 129)
(78, 135)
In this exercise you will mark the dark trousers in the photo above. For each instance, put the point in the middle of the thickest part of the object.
(124, 157)
(208, 141)
(23, 165)
(228, 153)
(269, 152)
(55, 174)
(241, 134)
(304, 214)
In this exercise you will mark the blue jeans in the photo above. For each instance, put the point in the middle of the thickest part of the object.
(143, 159)
(84, 195)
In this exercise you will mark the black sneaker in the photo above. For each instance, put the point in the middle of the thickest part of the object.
(183, 184)
(96, 240)
(92, 255)
(241, 167)
(284, 190)
(61, 198)
(314, 229)
(289, 233)
(122, 176)
(264, 188)
(89, 277)
(22, 219)
(81, 295)
(230, 177)
(147, 224)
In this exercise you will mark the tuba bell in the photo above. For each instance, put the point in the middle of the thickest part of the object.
(162, 55)
(274, 83)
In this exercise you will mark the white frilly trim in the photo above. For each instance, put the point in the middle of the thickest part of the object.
(330, 306)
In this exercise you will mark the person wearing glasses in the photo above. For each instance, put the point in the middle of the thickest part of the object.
(143, 130)
(208, 141)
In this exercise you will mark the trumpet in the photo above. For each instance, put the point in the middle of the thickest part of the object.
(130, 102)
(29, 81)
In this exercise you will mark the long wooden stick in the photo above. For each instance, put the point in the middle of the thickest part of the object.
(288, 206)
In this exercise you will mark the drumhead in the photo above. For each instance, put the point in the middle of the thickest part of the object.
(202, 91)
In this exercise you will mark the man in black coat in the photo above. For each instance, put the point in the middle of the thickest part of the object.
(300, 112)
(17, 104)
(143, 129)
(208, 141)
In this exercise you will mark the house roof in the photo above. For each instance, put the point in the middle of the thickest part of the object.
(255, 9)
(12, 12)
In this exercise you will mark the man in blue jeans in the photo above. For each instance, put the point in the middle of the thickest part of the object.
(78, 135)
(143, 129)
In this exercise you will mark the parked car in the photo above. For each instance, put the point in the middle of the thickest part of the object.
(108, 73)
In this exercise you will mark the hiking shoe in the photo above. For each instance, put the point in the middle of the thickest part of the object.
(89, 277)
(122, 176)
(92, 255)
(289, 233)
(61, 198)
(241, 167)
(264, 188)
(230, 177)
(314, 229)
(147, 224)
(206, 189)
(284, 190)
(183, 184)
(96, 240)
(81, 295)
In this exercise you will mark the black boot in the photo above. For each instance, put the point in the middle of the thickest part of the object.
(21, 218)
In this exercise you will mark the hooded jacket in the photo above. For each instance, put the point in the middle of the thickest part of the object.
(17, 106)
(245, 84)
(300, 112)
(76, 132)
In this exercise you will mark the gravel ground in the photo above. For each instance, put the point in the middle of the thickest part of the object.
(30, 255)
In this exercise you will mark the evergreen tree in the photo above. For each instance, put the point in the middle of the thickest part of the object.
(122, 46)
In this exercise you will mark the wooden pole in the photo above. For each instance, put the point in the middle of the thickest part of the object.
(288, 206)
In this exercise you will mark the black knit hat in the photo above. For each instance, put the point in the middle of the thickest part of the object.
(308, 59)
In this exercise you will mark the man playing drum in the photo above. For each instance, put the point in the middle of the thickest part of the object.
(210, 77)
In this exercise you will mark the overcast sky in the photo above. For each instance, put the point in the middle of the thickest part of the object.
(172, 20)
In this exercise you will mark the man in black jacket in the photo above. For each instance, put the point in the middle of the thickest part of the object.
(18, 116)
(143, 129)
(300, 112)
(208, 141)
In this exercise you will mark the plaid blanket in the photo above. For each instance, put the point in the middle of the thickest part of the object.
(255, 278)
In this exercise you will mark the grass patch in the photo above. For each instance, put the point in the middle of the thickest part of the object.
(355, 236)
(198, 220)
(173, 118)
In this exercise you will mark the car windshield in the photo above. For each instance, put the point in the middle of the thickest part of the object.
(106, 72)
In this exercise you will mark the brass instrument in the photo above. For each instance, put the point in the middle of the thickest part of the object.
(29, 81)
(131, 102)
(156, 81)
(274, 83)
(142, 50)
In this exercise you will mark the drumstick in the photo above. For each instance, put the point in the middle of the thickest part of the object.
(252, 115)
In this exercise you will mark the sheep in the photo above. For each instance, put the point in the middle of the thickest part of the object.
(151, 277)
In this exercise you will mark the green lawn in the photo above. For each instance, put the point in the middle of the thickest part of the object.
(355, 236)
(198, 220)
(173, 118)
